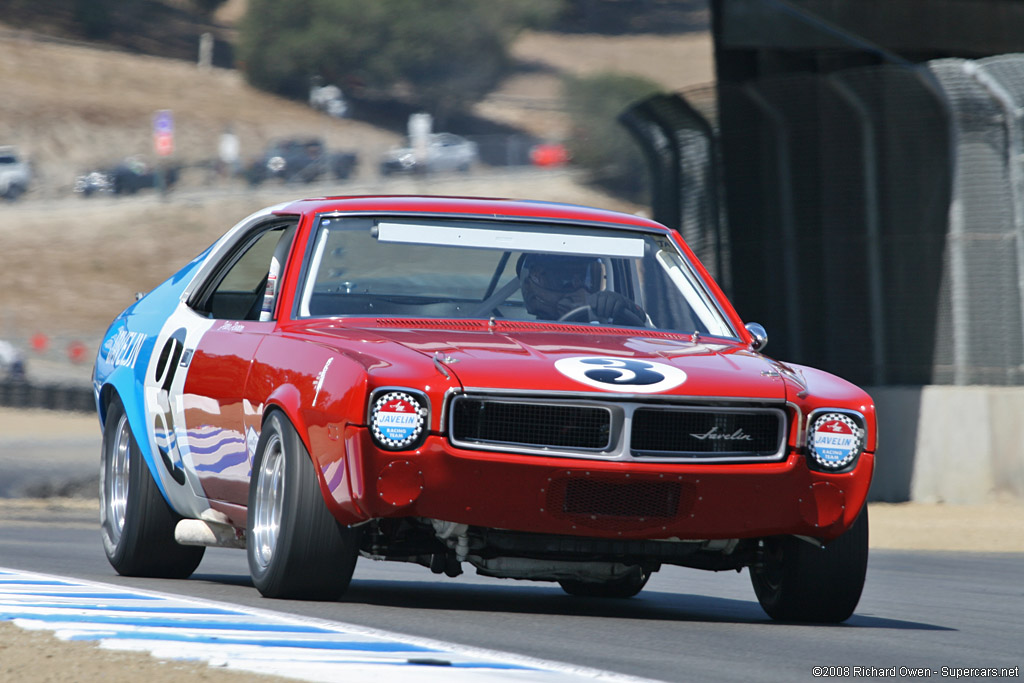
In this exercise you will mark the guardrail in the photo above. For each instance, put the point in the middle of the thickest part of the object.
(47, 396)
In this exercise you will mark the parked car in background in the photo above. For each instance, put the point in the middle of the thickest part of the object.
(12, 362)
(126, 178)
(444, 152)
(15, 173)
(300, 160)
(328, 99)
(533, 390)
(94, 182)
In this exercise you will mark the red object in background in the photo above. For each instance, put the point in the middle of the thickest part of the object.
(77, 351)
(549, 154)
(40, 342)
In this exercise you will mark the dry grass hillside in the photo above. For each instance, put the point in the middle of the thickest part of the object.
(69, 107)
(71, 264)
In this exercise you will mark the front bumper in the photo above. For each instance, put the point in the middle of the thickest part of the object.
(592, 498)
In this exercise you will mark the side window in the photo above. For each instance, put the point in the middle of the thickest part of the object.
(237, 290)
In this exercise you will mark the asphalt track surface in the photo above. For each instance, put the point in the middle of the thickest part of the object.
(919, 609)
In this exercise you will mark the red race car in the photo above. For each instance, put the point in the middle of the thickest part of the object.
(534, 390)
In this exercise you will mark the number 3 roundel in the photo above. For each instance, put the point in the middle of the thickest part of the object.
(621, 374)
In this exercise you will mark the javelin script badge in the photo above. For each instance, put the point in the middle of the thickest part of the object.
(715, 435)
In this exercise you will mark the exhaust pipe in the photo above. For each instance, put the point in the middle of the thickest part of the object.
(210, 534)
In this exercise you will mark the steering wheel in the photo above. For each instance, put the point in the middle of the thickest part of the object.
(576, 314)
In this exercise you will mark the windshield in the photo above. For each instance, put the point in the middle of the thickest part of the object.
(385, 267)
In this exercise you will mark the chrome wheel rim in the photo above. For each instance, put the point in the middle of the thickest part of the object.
(115, 481)
(268, 502)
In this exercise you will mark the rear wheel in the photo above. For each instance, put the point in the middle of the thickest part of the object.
(136, 523)
(295, 546)
(800, 582)
(625, 587)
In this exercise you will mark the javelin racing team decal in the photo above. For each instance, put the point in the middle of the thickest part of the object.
(621, 374)
(834, 440)
(397, 419)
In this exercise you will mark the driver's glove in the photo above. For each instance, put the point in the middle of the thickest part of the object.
(613, 307)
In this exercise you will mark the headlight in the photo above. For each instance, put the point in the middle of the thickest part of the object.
(834, 441)
(398, 420)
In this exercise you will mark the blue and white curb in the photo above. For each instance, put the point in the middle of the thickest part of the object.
(260, 641)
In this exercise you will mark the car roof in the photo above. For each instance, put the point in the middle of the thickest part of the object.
(482, 207)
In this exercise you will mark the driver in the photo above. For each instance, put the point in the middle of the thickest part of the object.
(557, 284)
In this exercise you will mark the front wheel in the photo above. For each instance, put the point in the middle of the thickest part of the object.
(800, 582)
(295, 546)
(136, 523)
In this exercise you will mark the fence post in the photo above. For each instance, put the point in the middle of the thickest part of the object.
(1014, 150)
(872, 231)
(790, 260)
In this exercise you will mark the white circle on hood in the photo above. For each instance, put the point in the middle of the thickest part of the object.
(627, 375)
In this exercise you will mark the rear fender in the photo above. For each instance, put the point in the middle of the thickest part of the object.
(121, 384)
(127, 365)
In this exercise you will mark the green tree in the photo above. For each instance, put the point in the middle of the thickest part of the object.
(96, 19)
(441, 55)
(597, 141)
(207, 7)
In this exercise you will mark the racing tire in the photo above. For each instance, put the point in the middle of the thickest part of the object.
(296, 549)
(800, 582)
(625, 587)
(136, 523)
(14, 191)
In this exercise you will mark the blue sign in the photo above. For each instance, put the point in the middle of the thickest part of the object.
(163, 122)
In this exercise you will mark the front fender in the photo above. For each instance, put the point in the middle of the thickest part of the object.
(825, 390)
(288, 398)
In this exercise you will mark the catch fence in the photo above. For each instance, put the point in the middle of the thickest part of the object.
(871, 218)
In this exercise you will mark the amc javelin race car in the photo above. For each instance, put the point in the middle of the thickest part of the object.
(534, 390)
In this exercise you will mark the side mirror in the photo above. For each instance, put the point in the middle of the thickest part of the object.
(759, 334)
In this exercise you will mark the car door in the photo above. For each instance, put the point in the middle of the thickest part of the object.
(239, 300)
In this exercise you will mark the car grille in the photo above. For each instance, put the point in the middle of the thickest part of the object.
(620, 431)
(694, 433)
(531, 424)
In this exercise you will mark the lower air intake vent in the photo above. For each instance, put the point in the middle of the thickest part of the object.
(613, 502)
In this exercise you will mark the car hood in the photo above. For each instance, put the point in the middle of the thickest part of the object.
(548, 362)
